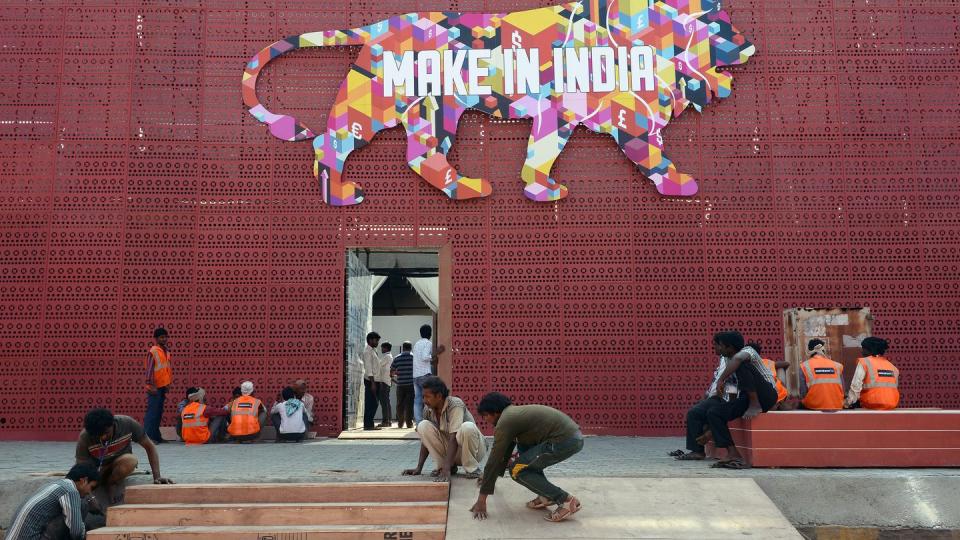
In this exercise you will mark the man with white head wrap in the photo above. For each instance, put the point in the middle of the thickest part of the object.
(821, 379)
(247, 415)
(201, 424)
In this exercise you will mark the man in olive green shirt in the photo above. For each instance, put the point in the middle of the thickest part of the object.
(543, 436)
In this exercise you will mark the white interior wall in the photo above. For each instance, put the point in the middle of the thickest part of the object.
(399, 328)
(396, 329)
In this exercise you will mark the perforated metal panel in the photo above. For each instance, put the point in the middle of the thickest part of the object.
(137, 191)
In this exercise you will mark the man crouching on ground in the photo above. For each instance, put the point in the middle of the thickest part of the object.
(448, 434)
(106, 442)
(543, 436)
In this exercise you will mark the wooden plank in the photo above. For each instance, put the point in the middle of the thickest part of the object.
(896, 420)
(287, 493)
(260, 532)
(276, 514)
(854, 457)
(852, 439)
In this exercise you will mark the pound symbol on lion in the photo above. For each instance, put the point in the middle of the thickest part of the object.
(620, 67)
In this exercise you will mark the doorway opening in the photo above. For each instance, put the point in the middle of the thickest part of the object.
(392, 292)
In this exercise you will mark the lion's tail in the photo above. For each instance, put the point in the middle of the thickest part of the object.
(282, 126)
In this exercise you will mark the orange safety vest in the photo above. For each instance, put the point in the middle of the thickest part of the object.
(879, 384)
(195, 424)
(824, 379)
(244, 418)
(781, 389)
(162, 374)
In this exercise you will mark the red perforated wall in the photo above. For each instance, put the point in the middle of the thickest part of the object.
(136, 191)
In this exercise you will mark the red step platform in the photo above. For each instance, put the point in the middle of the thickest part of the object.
(851, 438)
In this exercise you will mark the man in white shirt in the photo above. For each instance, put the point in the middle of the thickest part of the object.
(697, 414)
(383, 382)
(371, 367)
(423, 361)
(289, 417)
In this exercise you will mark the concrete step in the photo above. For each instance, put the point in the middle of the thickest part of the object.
(289, 493)
(261, 532)
(229, 513)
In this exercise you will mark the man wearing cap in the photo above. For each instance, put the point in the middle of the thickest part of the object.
(201, 424)
(247, 415)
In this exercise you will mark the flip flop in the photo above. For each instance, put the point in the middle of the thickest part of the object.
(538, 503)
(676, 453)
(734, 464)
(564, 511)
(689, 457)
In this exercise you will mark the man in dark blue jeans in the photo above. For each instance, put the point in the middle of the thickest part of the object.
(158, 378)
(543, 436)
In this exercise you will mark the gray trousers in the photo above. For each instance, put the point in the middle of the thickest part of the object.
(58, 530)
(528, 470)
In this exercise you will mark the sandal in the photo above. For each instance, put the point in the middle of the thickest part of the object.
(734, 464)
(690, 457)
(676, 453)
(539, 502)
(564, 511)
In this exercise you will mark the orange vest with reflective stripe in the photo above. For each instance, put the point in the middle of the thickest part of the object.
(162, 374)
(244, 416)
(879, 384)
(824, 379)
(781, 389)
(194, 424)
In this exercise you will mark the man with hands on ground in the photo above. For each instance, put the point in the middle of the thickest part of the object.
(543, 436)
(448, 434)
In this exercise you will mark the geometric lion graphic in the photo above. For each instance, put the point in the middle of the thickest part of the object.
(620, 67)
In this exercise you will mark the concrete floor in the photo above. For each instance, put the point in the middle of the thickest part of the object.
(614, 508)
(894, 498)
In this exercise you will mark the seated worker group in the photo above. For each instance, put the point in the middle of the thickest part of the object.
(874, 385)
(241, 418)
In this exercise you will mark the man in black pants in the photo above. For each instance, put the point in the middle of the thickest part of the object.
(756, 393)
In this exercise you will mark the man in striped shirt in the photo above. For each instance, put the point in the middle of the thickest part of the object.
(56, 511)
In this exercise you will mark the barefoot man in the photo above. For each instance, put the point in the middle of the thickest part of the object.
(107, 442)
(543, 436)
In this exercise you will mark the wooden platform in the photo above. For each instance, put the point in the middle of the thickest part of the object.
(851, 438)
(618, 508)
(360, 511)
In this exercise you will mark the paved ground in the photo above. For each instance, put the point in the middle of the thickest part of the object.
(862, 497)
(621, 508)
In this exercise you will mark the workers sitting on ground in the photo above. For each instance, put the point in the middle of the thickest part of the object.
(773, 367)
(202, 424)
(106, 441)
(874, 384)
(247, 416)
(821, 386)
(543, 437)
(59, 510)
(289, 417)
(448, 434)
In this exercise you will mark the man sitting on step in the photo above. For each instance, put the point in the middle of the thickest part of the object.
(448, 434)
(107, 442)
(59, 510)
